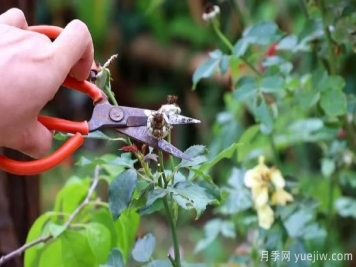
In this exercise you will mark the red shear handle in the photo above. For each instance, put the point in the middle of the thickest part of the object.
(44, 164)
(56, 124)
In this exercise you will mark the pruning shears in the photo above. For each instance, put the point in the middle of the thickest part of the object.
(129, 121)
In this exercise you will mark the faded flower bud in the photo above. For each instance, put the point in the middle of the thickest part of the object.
(211, 11)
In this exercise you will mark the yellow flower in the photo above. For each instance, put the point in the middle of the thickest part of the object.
(260, 179)
(265, 216)
(281, 197)
(258, 176)
(260, 195)
(277, 178)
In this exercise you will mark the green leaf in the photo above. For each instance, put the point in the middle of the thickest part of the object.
(196, 153)
(263, 115)
(60, 136)
(288, 43)
(156, 206)
(76, 250)
(160, 263)
(308, 99)
(262, 33)
(246, 89)
(240, 47)
(328, 167)
(313, 30)
(121, 191)
(115, 259)
(246, 140)
(71, 195)
(189, 195)
(272, 84)
(101, 136)
(224, 64)
(153, 198)
(331, 82)
(126, 229)
(314, 231)
(141, 200)
(92, 135)
(51, 255)
(154, 195)
(211, 188)
(238, 196)
(347, 179)
(195, 150)
(103, 216)
(297, 247)
(144, 247)
(308, 125)
(32, 254)
(56, 229)
(124, 160)
(227, 229)
(211, 231)
(205, 70)
(333, 102)
(99, 240)
(296, 223)
(227, 153)
(346, 207)
(234, 66)
(217, 54)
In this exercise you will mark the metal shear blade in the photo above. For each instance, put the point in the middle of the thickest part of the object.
(176, 119)
(140, 134)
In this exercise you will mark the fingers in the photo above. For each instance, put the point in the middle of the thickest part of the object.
(14, 17)
(35, 141)
(74, 50)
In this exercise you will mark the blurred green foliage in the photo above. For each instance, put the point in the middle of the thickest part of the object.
(298, 111)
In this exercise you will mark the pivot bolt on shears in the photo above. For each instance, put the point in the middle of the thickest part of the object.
(136, 123)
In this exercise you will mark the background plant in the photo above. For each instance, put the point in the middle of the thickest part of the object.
(280, 84)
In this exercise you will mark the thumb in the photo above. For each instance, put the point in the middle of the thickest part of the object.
(35, 141)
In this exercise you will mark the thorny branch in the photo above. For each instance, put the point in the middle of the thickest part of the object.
(48, 237)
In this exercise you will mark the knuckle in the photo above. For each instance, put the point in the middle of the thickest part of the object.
(17, 13)
(79, 26)
(30, 146)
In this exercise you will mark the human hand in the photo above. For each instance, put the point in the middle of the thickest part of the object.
(32, 70)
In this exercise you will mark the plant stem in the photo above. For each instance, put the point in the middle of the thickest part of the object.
(243, 58)
(171, 260)
(161, 164)
(173, 230)
(231, 48)
(20, 250)
(72, 216)
(169, 140)
(222, 36)
(111, 97)
(332, 58)
(170, 215)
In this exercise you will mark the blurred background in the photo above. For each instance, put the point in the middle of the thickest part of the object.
(159, 45)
